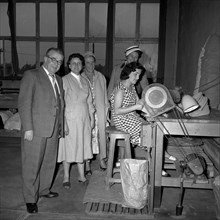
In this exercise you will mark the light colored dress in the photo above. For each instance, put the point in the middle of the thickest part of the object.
(130, 122)
(95, 130)
(101, 106)
(76, 146)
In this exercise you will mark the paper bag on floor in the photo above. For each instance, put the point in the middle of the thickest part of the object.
(134, 178)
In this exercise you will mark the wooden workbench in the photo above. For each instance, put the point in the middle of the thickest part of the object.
(153, 136)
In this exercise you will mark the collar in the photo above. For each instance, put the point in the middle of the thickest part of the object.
(75, 75)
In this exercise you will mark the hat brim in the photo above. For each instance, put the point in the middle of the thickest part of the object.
(89, 54)
(133, 50)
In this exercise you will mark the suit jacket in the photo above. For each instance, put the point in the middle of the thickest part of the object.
(37, 103)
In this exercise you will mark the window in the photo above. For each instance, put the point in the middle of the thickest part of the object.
(4, 23)
(98, 21)
(73, 47)
(74, 20)
(85, 28)
(99, 50)
(125, 17)
(25, 22)
(27, 54)
(48, 19)
(149, 20)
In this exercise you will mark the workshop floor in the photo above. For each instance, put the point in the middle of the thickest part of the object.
(197, 204)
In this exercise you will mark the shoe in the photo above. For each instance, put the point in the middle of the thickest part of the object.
(165, 174)
(85, 182)
(117, 164)
(102, 165)
(50, 195)
(88, 173)
(32, 208)
(67, 185)
(172, 158)
(102, 168)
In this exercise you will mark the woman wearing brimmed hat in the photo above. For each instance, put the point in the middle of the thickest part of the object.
(132, 54)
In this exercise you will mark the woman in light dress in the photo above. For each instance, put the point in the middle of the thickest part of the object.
(97, 84)
(79, 121)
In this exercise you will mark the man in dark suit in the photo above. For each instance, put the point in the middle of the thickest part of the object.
(40, 105)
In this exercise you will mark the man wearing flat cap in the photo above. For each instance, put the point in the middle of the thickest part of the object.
(132, 54)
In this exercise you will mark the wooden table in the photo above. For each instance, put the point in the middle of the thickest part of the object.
(8, 101)
(153, 136)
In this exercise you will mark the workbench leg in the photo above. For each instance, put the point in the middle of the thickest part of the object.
(159, 137)
(157, 196)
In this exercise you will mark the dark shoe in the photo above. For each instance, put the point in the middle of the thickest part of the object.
(102, 168)
(102, 165)
(50, 195)
(67, 185)
(88, 173)
(85, 182)
(32, 207)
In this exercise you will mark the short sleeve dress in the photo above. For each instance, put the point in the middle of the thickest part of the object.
(76, 146)
(130, 122)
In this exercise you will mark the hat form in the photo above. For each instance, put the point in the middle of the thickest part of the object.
(157, 99)
(132, 49)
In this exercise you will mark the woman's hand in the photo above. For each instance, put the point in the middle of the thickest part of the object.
(140, 104)
(124, 110)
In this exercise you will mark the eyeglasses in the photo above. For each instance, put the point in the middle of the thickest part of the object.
(55, 61)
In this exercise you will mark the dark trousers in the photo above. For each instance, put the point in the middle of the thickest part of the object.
(38, 165)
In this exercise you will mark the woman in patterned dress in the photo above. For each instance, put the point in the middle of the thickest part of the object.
(125, 102)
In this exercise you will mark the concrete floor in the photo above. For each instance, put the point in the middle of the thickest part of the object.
(198, 204)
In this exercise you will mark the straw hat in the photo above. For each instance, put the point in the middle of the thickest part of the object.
(132, 49)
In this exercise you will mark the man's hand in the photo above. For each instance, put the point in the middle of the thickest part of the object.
(28, 135)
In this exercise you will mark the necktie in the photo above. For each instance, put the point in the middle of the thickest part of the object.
(54, 83)
(56, 89)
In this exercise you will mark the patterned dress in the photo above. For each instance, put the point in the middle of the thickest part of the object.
(130, 122)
